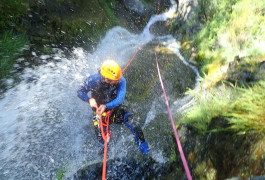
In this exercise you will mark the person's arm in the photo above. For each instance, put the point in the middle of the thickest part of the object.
(89, 83)
(121, 92)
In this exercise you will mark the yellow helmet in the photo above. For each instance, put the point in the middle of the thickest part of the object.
(111, 70)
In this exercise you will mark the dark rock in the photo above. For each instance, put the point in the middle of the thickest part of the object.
(136, 7)
(260, 74)
(187, 14)
(241, 77)
(239, 72)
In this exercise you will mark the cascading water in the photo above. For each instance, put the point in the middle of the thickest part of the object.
(44, 127)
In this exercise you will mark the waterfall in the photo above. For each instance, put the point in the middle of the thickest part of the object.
(44, 127)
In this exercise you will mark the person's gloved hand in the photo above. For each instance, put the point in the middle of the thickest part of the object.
(93, 103)
(144, 148)
(101, 108)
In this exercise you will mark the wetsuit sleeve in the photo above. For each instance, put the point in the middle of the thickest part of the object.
(89, 83)
(121, 92)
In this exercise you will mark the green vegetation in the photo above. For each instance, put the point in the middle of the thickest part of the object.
(88, 21)
(246, 112)
(71, 22)
(242, 107)
(239, 31)
(232, 28)
(44, 23)
(12, 33)
(207, 107)
(10, 13)
(10, 46)
(60, 174)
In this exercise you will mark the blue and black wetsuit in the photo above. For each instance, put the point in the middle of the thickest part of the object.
(113, 96)
(110, 95)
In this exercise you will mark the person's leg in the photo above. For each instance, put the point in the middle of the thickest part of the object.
(137, 132)
(121, 115)
(134, 128)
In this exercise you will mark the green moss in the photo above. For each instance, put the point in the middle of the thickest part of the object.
(61, 22)
(204, 171)
(142, 73)
(173, 156)
(86, 23)
(10, 45)
(47, 50)
(239, 32)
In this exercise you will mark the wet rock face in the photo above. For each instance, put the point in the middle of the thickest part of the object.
(188, 14)
(124, 169)
(223, 154)
(241, 72)
(136, 6)
(187, 9)
(133, 13)
(143, 83)
(261, 71)
(241, 77)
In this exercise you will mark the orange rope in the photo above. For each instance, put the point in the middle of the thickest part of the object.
(131, 60)
(106, 137)
(104, 166)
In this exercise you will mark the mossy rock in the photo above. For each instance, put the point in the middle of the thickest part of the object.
(143, 84)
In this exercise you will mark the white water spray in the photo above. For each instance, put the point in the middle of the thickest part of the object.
(44, 127)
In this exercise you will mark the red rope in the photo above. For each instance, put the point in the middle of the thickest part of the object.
(104, 126)
(104, 165)
(185, 164)
(131, 60)
(105, 132)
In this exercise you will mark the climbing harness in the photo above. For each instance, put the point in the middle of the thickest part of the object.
(185, 164)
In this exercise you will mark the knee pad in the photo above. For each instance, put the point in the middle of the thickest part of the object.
(127, 117)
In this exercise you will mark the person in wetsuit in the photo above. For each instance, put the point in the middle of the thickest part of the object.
(108, 90)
